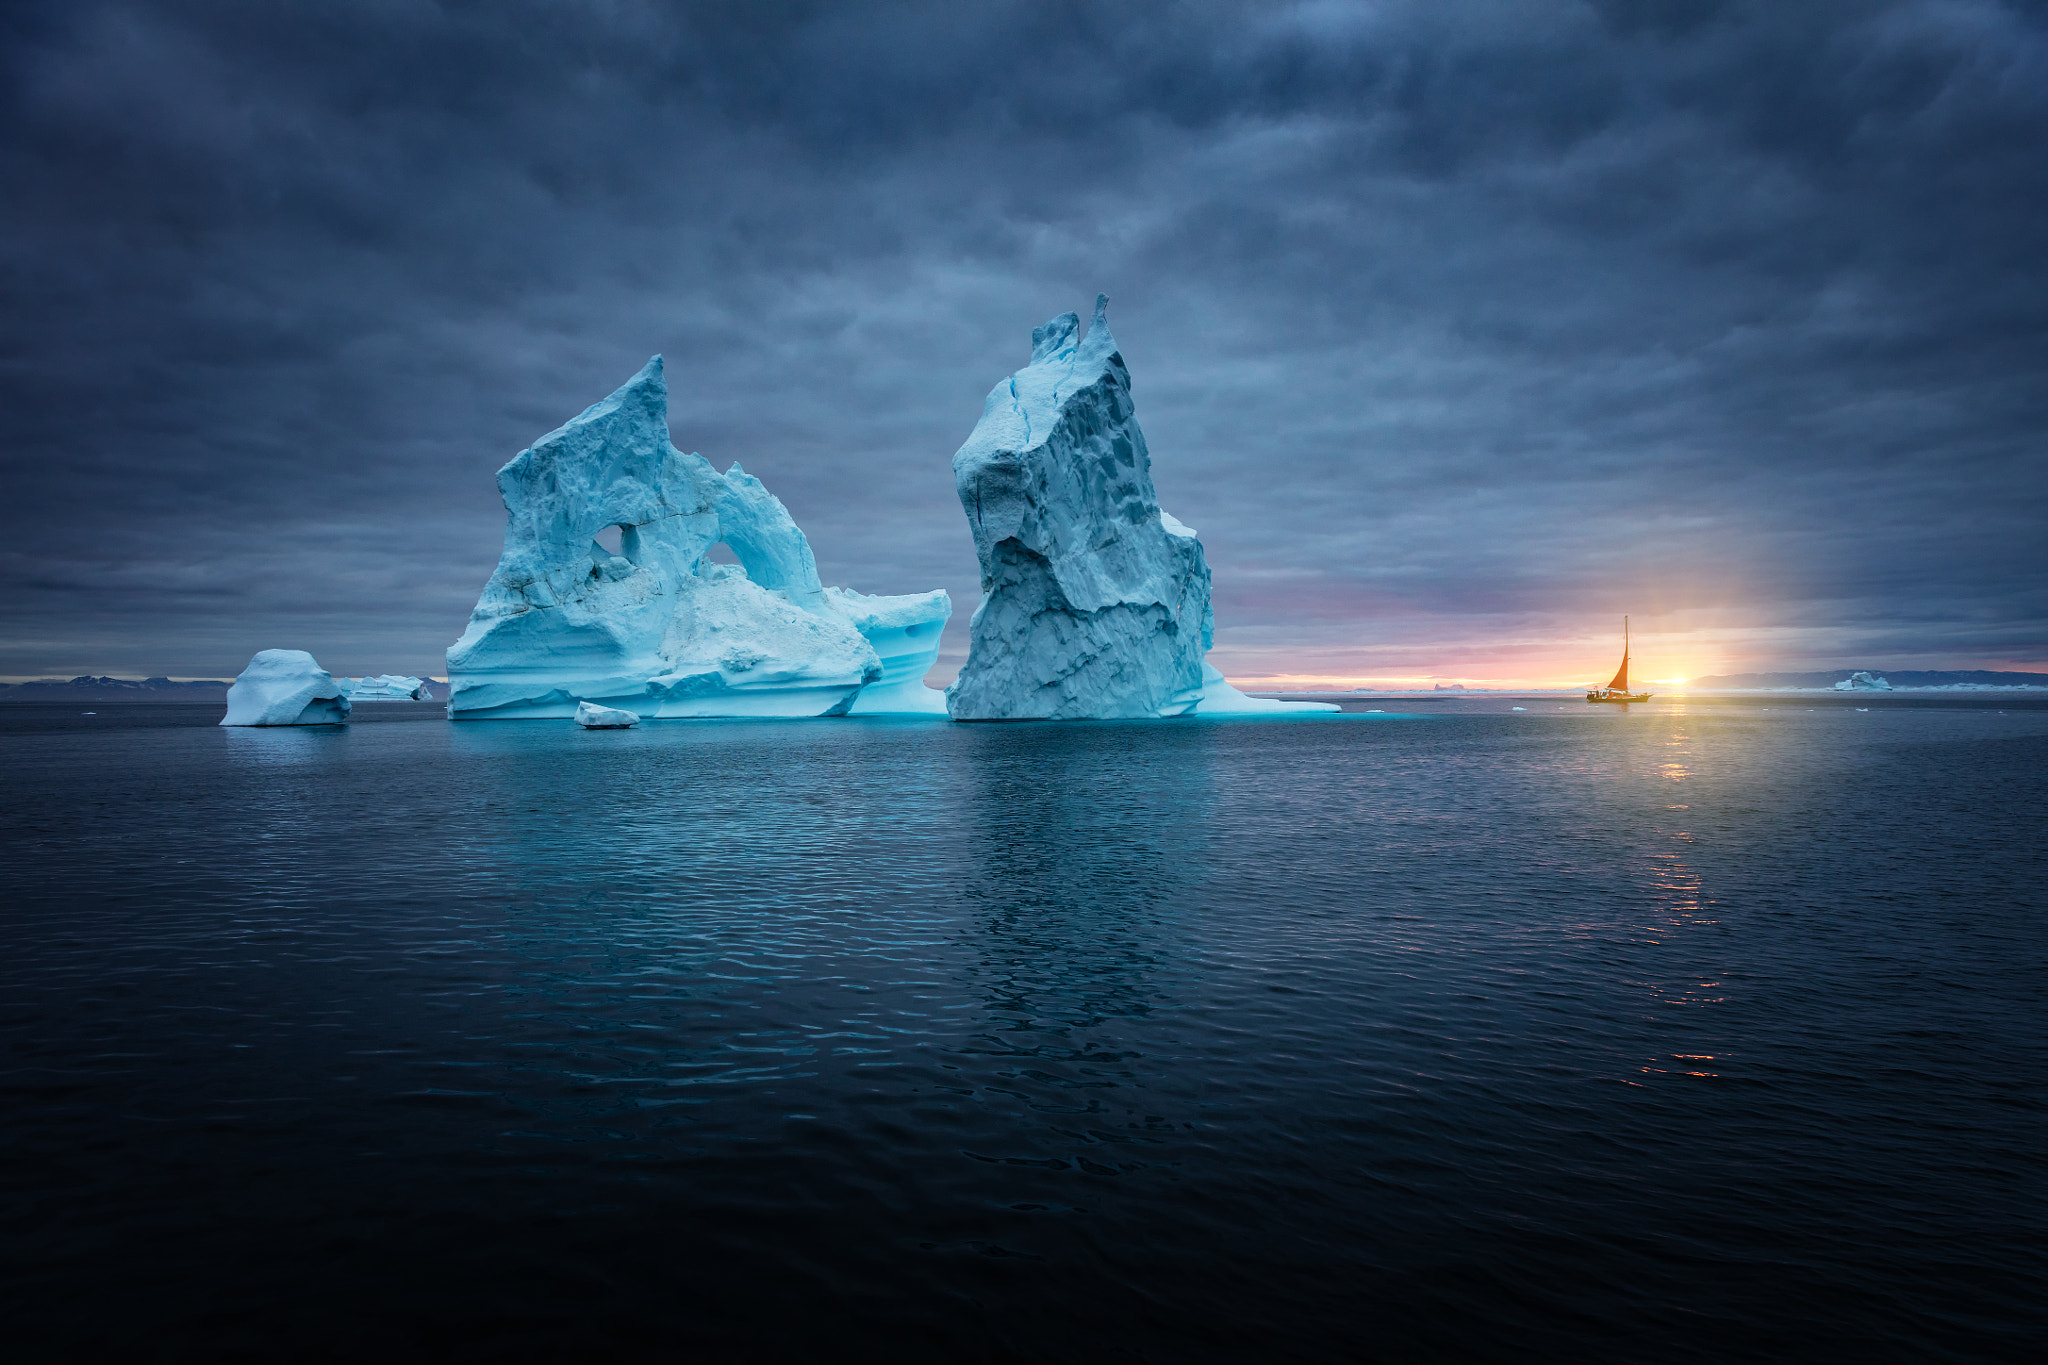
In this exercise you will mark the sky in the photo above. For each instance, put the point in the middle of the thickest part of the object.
(1457, 330)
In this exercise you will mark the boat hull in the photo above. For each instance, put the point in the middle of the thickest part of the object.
(1622, 697)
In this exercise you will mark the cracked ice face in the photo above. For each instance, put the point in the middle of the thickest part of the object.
(1091, 606)
(1095, 601)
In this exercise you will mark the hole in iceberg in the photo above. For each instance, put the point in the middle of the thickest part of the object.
(721, 553)
(612, 538)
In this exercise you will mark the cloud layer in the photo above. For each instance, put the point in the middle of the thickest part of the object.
(1458, 330)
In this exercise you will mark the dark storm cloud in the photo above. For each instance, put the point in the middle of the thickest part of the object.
(1454, 327)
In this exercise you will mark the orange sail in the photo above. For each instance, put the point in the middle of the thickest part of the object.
(1617, 691)
(1620, 683)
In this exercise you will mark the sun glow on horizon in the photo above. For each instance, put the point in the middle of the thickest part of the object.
(1506, 663)
(1270, 681)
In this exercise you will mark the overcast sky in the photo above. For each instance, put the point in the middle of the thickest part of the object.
(1457, 330)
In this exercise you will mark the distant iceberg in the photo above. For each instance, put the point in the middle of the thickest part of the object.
(1863, 682)
(385, 687)
(1901, 679)
(650, 624)
(1095, 601)
(285, 687)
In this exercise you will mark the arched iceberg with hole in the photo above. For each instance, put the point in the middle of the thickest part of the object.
(1094, 601)
(655, 626)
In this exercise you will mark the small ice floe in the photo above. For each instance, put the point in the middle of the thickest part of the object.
(1524, 708)
(94, 713)
(593, 717)
(1863, 709)
(1378, 711)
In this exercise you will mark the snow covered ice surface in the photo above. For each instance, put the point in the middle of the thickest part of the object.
(651, 624)
(1095, 602)
(285, 687)
(385, 687)
(604, 717)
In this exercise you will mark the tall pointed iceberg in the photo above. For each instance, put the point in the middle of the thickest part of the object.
(1095, 602)
(654, 626)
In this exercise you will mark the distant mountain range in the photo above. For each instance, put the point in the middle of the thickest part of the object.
(114, 689)
(1904, 677)
(87, 688)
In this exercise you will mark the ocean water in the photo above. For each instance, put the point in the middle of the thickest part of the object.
(1686, 1032)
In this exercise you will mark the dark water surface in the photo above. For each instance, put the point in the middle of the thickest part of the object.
(1692, 1033)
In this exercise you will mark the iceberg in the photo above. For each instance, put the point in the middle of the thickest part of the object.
(650, 623)
(385, 687)
(1095, 601)
(1863, 682)
(285, 687)
(904, 633)
(604, 717)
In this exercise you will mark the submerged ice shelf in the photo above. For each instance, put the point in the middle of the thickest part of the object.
(650, 623)
(1095, 601)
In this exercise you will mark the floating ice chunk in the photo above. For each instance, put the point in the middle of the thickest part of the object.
(656, 627)
(285, 687)
(604, 717)
(1519, 708)
(1863, 682)
(1095, 602)
(385, 687)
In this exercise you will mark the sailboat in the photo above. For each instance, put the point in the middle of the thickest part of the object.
(1618, 689)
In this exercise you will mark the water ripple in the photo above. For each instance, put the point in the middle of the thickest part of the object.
(1696, 1036)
